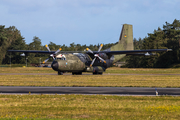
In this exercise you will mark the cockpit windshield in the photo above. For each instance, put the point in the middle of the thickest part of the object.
(60, 58)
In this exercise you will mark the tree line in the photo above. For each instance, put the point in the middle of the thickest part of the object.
(168, 37)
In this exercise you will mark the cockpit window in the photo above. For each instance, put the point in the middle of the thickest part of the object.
(61, 58)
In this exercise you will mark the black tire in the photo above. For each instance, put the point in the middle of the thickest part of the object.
(60, 73)
(79, 73)
(76, 73)
(100, 73)
(97, 73)
(94, 73)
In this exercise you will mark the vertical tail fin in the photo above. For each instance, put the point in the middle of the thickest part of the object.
(126, 37)
(125, 41)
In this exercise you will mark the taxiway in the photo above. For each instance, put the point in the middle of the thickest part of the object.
(90, 90)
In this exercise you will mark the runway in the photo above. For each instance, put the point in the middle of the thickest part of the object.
(90, 90)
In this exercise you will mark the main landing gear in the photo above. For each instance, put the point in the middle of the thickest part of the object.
(80, 73)
(97, 73)
(60, 73)
(76, 73)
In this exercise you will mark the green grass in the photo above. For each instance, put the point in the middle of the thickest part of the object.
(40, 107)
(131, 78)
(88, 107)
(143, 70)
(109, 70)
(90, 80)
(26, 70)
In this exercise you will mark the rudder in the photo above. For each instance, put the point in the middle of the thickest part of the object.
(125, 41)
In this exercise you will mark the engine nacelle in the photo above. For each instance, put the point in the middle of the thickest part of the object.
(103, 56)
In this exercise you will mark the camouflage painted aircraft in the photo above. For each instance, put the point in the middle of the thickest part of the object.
(94, 61)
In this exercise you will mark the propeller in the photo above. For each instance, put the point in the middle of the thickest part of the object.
(51, 55)
(96, 55)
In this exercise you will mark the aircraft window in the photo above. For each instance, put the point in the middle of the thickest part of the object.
(60, 58)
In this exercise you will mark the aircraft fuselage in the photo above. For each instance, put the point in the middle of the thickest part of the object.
(78, 63)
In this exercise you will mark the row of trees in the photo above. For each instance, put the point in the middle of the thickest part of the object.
(10, 38)
(168, 37)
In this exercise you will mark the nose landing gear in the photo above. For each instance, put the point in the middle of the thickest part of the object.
(60, 73)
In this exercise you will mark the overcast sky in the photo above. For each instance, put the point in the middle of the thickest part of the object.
(86, 21)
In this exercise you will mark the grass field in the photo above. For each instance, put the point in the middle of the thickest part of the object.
(109, 70)
(90, 80)
(147, 78)
(90, 106)
(26, 70)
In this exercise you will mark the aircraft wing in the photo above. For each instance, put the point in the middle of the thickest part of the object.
(44, 52)
(134, 52)
(127, 52)
(32, 51)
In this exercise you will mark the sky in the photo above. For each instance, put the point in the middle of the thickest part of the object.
(86, 21)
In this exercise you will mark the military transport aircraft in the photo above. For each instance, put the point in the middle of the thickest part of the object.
(94, 61)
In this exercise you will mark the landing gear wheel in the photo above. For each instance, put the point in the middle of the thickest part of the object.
(80, 73)
(97, 73)
(60, 73)
(94, 73)
(76, 73)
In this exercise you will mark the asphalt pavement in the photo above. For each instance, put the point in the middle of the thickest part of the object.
(90, 90)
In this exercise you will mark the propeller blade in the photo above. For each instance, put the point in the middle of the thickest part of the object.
(100, 47)
(92, 62)
(45, 60)
(89, 50)
(58, 50)
(96, 55)
(51, 55)
(48, 48)
(101, 59)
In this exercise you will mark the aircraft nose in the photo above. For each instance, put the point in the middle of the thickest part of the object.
(54, 65)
